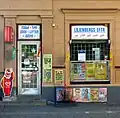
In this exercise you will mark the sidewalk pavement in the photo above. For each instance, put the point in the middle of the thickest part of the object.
(60, 111)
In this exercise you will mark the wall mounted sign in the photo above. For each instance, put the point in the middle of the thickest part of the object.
(28, 31)
(89, 32)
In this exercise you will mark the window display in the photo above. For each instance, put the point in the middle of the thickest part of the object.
(89, 71)
(89, 54)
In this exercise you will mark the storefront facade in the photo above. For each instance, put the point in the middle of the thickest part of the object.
(64, 43)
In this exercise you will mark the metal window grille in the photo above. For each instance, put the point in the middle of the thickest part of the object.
(88, 46)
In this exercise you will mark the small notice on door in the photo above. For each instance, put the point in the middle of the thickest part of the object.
(26, 61)
(82, 55)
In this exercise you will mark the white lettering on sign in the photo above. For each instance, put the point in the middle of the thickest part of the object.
(29, 32)
(89, 32)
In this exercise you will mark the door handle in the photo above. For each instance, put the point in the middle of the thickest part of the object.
(36, 68)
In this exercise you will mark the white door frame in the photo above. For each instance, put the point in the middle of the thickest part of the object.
(19, 43)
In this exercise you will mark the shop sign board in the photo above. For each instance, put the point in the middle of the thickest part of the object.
(28, 31)
(89, 32)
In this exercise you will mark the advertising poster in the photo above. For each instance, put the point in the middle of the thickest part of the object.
(60, 94)
(90, 71)
(85, 94)
(81, 71)
(78, 72)
(102, 94)
(47, 75)
(47, 68)
(47, 61)
(73, 73)
(59, 76)
(94, 94)
(68, 94)
(101, 71)
(77, 94)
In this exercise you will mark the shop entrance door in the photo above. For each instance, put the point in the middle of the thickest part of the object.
(29, 68)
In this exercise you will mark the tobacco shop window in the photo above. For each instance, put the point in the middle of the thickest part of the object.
(89, 54)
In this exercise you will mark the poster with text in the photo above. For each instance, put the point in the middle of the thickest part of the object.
(100, 71)
(77, 94)
(47, 61)
(81, 71)
(60, 94)
(90, 71)
(94, 94)
(77, 71)
(47, 75)
(59, 76)
(102, 94)
(85, 94)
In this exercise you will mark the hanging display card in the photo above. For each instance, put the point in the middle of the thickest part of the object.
(59, 76)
